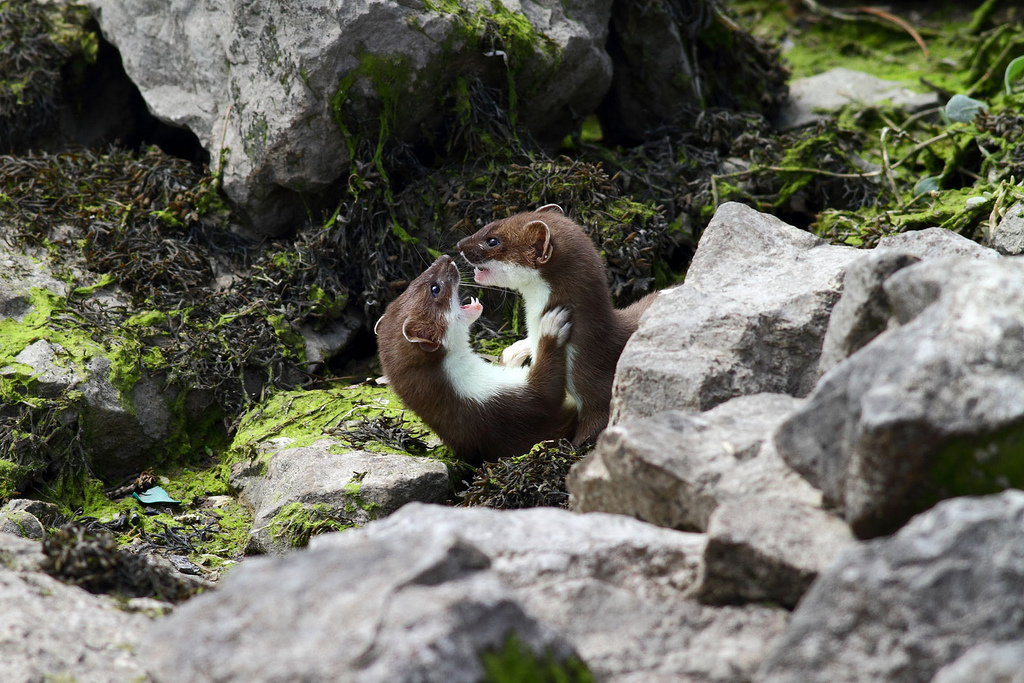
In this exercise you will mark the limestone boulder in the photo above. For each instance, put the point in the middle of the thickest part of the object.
(932, 408)
(279, 95)
(902, 608)
(324, 486)
(750, 318)
(675, 468)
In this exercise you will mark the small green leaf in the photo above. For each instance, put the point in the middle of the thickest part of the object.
(963, 109)
(1014, 70)
(927, 184)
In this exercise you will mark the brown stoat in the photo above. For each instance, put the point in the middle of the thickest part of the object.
(482, 411)
(548, 259)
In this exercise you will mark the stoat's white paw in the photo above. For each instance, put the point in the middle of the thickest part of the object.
(515, 355)
(555, 323)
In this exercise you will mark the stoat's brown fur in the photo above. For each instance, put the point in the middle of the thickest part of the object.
(547, 257)
(480, 410)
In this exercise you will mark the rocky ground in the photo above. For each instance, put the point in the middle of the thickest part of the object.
(812, 466)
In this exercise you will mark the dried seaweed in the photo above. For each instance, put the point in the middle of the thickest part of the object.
(389, 430)
(91, 559)
(536, 479)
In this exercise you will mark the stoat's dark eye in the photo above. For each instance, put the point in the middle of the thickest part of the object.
(493, 241)
(435, 289)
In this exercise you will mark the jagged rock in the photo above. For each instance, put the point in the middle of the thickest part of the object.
(365, 608)
(901, 608)
(750, 318)
(813, 98)
(326, 484)
(675, 468)
(1008, 236)
(281, 108)
(20, 554)
(862, 312)
(930, 409)
(986, 663)
(614, 587)
(58, 632)
(768, 549)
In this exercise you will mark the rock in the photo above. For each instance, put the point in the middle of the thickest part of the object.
(325, 487)
(58, 632)
(124, 429)
(50, 370)
(935, 242)
(675, 468)
(321, 345)
(47, 513)
(19, 275)
(768, 549)
(862, 312)
(931, 409)
(21, 523)
(901, 608)
(283, 109)
(1008, 236)
(986, 663)
(20, 554)
(615, 587)
(813, 98)
(365, 608)
(750, 318)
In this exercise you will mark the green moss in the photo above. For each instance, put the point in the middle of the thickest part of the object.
(11, 477)
(977, 465)
(297, 523)
(516, 663)
(305, 417)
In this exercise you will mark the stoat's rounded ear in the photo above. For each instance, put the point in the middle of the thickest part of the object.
(541, 240)
(551, 207)
(418, 337)
(377, 324)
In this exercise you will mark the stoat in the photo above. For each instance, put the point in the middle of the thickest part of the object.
(482, 411)
(549, 259)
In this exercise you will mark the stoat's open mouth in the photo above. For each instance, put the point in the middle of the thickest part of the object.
(473, 303)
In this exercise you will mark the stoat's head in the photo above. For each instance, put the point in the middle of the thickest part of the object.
(427, 317)
(511, 252)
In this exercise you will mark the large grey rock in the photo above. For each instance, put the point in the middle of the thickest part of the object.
(365, 609)
(1008, 236)
(325, 482)
(56, 632)
(615, 587)
(675, 468)
(929, 409)
(749, 318)
(768, 549)
(986, 663)
(277, 93)
(901, 608)
(813, 98)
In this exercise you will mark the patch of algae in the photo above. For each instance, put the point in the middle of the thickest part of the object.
(306, 416)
